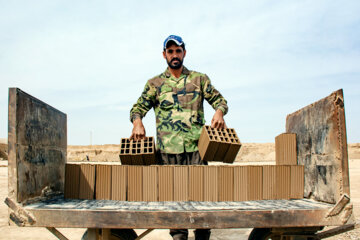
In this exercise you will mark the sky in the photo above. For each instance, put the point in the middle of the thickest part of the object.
(91, 59)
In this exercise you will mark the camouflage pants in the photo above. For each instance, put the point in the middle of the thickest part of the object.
(186, 158)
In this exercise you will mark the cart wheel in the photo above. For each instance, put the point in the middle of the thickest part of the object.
(263, 234)
(117, 234)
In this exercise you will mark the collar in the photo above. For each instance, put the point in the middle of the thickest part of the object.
(185, 71)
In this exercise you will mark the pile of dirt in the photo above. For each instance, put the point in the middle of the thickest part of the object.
(3, 151)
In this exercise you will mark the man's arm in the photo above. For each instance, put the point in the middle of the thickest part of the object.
(140, 108)
(217, 101)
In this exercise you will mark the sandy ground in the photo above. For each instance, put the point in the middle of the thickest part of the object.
(17, 233)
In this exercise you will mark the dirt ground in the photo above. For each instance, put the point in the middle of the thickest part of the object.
(17, 233)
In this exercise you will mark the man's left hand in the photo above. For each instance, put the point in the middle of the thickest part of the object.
(218, 120)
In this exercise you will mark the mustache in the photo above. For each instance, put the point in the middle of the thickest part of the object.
(174, 59)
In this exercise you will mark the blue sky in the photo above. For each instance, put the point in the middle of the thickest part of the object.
(91, 59)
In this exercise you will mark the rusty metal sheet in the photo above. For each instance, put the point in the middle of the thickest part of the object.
(322, 147)
(37, 139)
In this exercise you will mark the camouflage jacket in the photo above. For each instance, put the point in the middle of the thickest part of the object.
(178, 106)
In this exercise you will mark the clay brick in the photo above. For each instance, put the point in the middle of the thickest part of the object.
(196, 183)
(103, 182)
(119, 182)
(269, 182)
(149, 151)
(166, 183)
(208, 143)
(283, 182)
(255, 188)
(181, 183)
(240, 183)
(150, 186)
(211, 183)
(125, 151)
(285, 149)
(135, 181)
(297, 182)
(87, 181)
(234, 147)
(72, 179)
(136, 158)
(226, 183)
(223, 145)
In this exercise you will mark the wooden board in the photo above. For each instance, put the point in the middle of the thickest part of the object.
(322, 147)
(37, 142)
(120, 214)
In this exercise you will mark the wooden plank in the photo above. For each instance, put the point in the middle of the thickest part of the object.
(37, 146)
(113, 214)
(322, 147)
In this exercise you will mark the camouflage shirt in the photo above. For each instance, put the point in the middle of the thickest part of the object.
(178, 106)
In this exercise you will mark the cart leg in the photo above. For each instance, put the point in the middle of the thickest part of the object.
(57, 234)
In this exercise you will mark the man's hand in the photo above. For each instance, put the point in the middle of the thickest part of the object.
(138, 131)
(218, 120)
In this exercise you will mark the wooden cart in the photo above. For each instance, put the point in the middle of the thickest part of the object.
(37, 155)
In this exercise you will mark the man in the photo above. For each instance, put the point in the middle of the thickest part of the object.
(177, 97)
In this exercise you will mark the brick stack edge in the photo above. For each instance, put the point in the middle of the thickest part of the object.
(287, 166)
(183, 183)
(137, 152)
(220, 145)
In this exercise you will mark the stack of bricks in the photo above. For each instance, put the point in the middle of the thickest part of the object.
(137, 152)
(182, 183)
(286, 167)
(220, 145)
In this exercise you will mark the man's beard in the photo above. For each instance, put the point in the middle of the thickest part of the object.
(175, 66)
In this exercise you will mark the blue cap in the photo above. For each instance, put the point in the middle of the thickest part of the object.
(176, 39)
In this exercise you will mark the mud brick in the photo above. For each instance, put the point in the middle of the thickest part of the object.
(125, 151)
(208, 143)
(166, 183)
(72, 179)
(283, 182)
(150, 186)
(196, 183)
(119, 182)
(181, 183)
(226, 183)
(136, 157)
(240, 183)
(87, 181)
(297, 182)
(211, 192)
(255, 188)
(103, 182)
(269, 182)
(223, 147)
(135, 181)
(234, 147)
(285, 149)
(148, 151)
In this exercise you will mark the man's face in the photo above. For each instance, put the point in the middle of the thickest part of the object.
(174, 56)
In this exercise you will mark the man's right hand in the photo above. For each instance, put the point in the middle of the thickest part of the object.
(138, 131)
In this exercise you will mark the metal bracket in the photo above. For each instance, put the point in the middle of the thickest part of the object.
(20, 216)
(339, 206)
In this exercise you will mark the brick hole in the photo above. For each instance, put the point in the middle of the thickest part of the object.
(138, 150)
(145, 144)
(133, 151)
(123, 145)
(127, 151)
(145, 150)
(122, 151)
